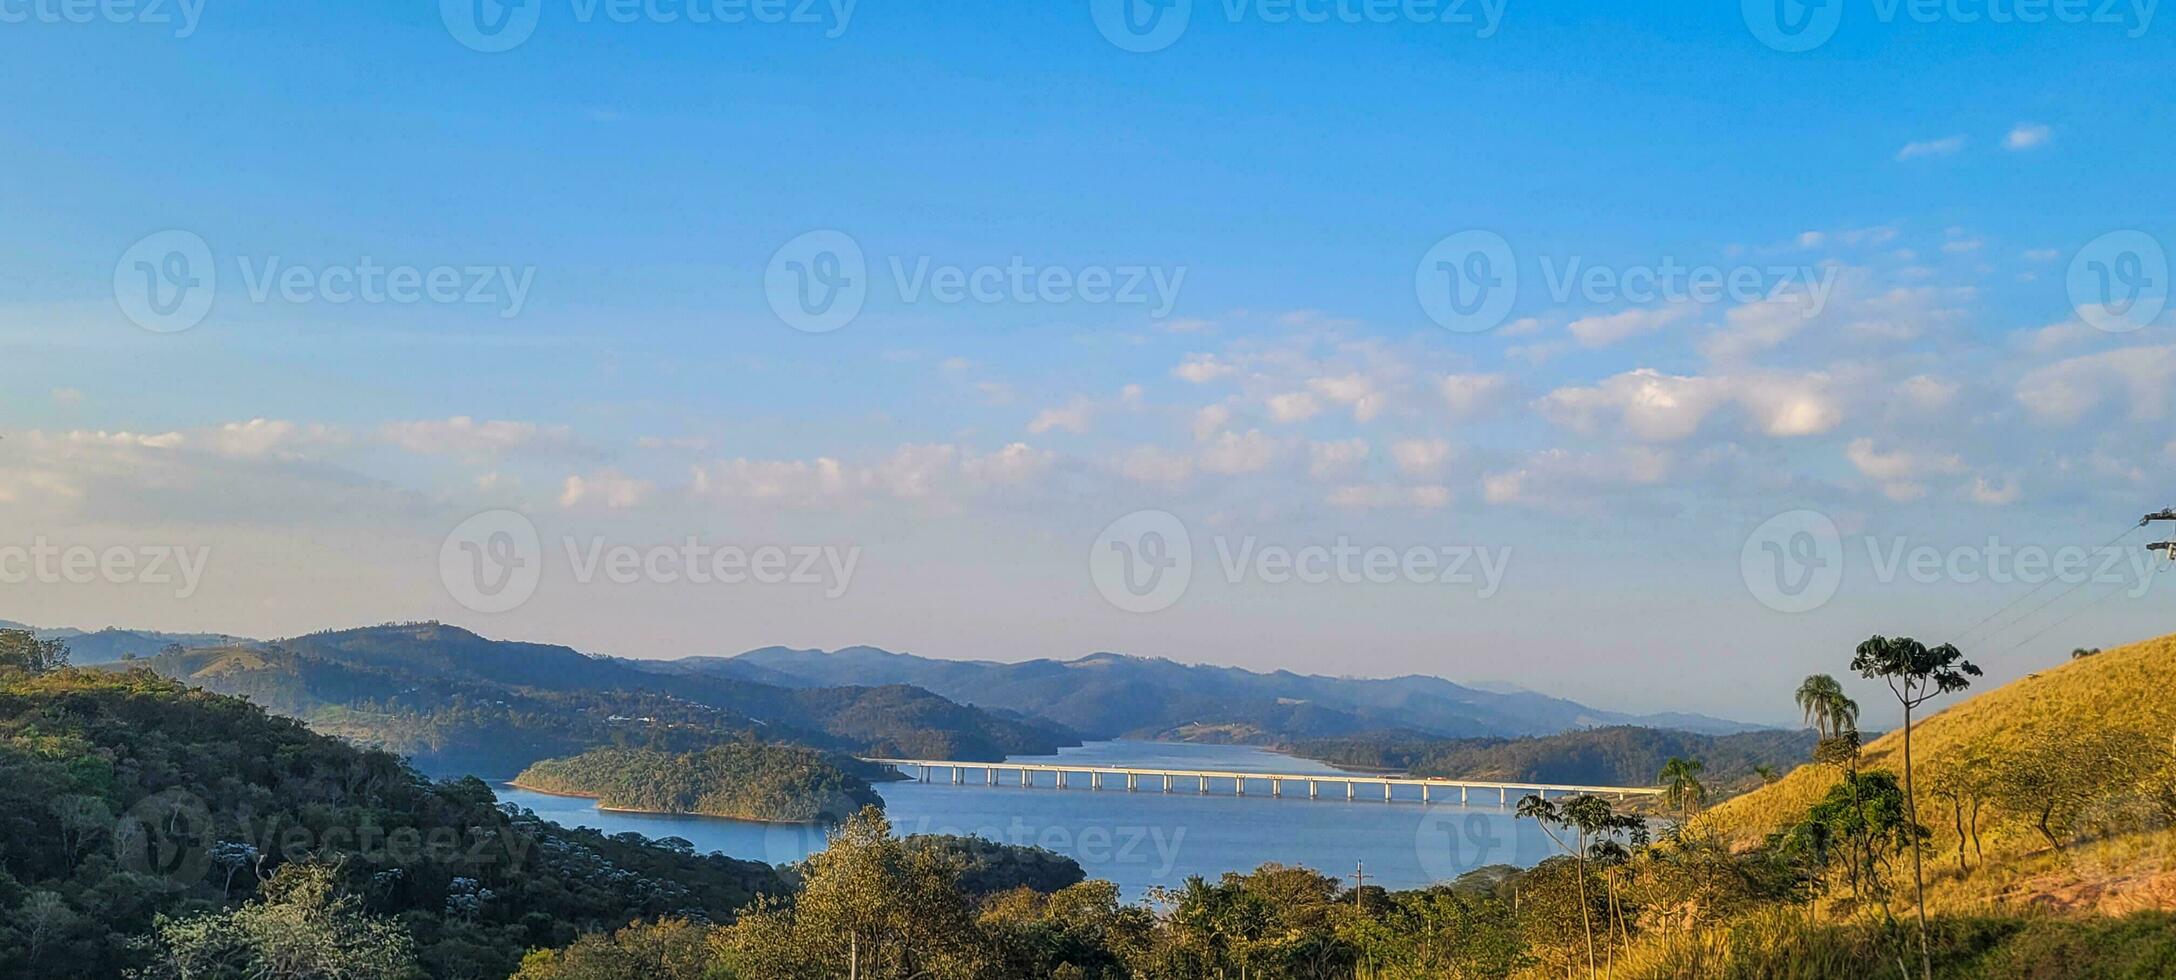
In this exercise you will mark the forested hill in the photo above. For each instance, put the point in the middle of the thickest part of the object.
(1108, 695)
(1621, 755)
(124, 796)
(457, 702)
(742, 780)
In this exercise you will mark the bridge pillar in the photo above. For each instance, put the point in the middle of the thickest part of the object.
(1386, 791)
(925, 774)
(1061, 779)
(1348, 789)
(959, 775)
(1276, 787)
(1424, 792)
(1462, 796)
(1133, 781)
(1026, 779)
(1312, 790)
(1203, 782)
(990, 775)
(1239, 785)
(1166, 780)
(1095, 780)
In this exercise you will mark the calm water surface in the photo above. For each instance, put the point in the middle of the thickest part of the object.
(1146, 838)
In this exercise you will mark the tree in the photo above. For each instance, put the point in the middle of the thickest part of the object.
(22, 652)
(1681, 777)
(1966, 780)
(1916, 675)
(870, 908)
(1828, 709)
(1595, 826)
(304, 929)
(2059, 776)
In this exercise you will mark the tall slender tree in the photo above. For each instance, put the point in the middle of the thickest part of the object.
(1828, 709)
(1916, 674)
(1681, 778)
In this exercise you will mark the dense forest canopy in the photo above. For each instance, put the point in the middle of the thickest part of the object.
(743, 780)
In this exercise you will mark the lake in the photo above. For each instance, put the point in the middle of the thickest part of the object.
(1146, 838)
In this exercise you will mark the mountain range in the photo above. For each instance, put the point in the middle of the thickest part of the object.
(1109, 695)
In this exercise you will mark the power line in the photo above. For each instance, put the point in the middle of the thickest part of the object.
(2013, 603)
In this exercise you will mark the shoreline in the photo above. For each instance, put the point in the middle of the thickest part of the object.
(602, 808)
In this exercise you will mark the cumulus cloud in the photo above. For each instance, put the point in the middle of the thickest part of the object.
(1201, 369)
(1327, 460)
(2138, 378)
(1555, 476)
(1604, 330)
(1354, 390)
(1231, 454)
(1377, 496)
(1655, 407)
(1420, 457)
(1471, 396)
(1294, 406)
(609, 488)
(465, 436)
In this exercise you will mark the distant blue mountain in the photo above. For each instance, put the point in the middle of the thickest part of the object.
(1106, 695)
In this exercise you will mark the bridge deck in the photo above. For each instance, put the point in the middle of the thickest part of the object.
(1342, 777)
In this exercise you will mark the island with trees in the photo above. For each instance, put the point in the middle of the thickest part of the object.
(740, 780)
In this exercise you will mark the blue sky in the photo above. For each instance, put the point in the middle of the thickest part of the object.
(1941, 179)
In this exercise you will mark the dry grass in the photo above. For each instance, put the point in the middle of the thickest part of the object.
(2129, 687)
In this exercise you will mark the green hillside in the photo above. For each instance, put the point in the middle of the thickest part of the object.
(742, 780)
(125, 797)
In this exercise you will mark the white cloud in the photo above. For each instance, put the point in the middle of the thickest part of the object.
(1151, 464)
(1201, 369)
(1927, 393)
(69, 397)
(1379, 496)
(1473, 395)
(1652, 406)
(2026, 135)
(611, 488)
(1293, 406)
(1931, 148)
(1985, 491)
(268, 437)
(2066, 391)
(1327, 460)
(1352, 389)
(1232, 454)
(1656, 407)
(1420, 457)
(1555, 476)
(1209, 420)
(1072, 417)
(1604, 330)
(462, 435)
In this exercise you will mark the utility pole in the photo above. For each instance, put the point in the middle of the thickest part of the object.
(1359, 880)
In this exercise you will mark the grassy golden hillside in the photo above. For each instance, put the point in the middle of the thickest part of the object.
(2129, 687)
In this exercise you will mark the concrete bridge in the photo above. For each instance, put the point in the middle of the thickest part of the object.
(1205, 781)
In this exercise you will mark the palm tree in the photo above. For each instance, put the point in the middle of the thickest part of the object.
(1682, 777)
(1916, 675)
(1828, 709)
